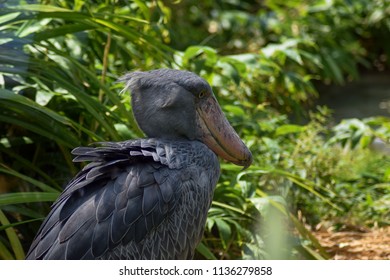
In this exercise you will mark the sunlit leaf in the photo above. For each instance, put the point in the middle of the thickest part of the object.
(288, 129)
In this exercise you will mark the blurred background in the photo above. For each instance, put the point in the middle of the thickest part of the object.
(306, 84)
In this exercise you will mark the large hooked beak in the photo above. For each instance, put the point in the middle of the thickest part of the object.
(215, 131)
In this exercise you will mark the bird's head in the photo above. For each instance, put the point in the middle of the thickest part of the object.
(174, 104)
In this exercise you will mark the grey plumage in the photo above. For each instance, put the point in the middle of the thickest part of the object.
(121, 205)
(146, 198)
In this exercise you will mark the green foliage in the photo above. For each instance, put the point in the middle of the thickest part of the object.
(347, 170)
(58, 67)
(59, 61)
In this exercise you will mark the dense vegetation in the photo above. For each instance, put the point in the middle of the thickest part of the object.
(59, 62)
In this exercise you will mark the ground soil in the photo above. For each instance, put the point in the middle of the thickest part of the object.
(357, 244)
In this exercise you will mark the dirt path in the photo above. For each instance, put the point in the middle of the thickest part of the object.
(356, 245)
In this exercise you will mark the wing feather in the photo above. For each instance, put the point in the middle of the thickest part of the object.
(106, 203)
(123, 202)
(133, 210)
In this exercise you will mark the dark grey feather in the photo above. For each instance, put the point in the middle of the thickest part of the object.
(133, 202)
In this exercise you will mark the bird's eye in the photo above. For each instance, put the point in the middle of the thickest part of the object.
(202, 94)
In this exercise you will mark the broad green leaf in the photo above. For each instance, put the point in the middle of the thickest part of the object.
(334, 69)
(288, 129)
(8, 17)
(238, 62)
(294, 55)
(202, 249)
(194, 51)
(235, 110)
(224, 230)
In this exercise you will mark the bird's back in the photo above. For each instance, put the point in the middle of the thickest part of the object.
(139, 199)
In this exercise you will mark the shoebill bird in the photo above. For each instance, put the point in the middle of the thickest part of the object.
(146, 198)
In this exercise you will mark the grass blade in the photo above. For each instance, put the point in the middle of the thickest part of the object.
(13, 238)
(27, 197)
